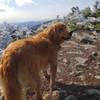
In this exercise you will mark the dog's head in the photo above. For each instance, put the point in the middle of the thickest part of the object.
(59, 32)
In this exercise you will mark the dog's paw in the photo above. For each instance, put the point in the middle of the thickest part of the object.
(54, 95)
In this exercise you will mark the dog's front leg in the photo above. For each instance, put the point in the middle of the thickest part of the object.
(53, 70)
(47, 76)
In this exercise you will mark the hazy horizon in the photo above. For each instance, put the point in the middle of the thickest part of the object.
(27, 10)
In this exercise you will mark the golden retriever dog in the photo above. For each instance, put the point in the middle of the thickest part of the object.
(23, 60)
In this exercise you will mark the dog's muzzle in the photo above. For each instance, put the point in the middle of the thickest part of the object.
(68, 37)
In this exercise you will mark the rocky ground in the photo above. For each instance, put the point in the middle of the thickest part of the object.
(78, 74)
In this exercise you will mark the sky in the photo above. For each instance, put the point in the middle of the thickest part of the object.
(27, 10)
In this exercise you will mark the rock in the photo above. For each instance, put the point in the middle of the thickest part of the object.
(76, 36)
(65, 60)
(71, 73)
(46, 97)
(63, 94)
(92, 92)
(60, 80)
(81, 67)
(80, 60)
(91, 58)
(97, 77)
(82, 78)
(55, 95)
(1, 97)
(94, 33)
(87, 40)
(74, 52)
(87, 47)
(70, 97)
(95, 54)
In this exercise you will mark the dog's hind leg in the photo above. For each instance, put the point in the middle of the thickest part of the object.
(37, 87)
(12, 90)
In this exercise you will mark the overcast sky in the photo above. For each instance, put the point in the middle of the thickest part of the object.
(25, 10)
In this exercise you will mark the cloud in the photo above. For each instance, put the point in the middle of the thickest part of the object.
(4, 6)
(25, 2)
(2, 10)
(5, 1)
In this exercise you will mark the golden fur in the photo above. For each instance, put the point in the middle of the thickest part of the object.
(23, 60)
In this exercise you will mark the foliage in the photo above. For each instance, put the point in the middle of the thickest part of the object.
(96, 5)
(72, 25)
(87, 12)
(97, 26)
(96, 12)
(74, 9)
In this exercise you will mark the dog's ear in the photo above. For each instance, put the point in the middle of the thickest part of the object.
(53, 33)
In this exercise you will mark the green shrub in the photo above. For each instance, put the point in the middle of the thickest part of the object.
(97, 26)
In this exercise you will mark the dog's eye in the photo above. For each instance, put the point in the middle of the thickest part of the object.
(61, 30)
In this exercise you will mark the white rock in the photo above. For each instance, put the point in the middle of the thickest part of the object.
(97, 77)
(65, 60)
(80, 60)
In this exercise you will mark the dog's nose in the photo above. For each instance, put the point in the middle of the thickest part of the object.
(70, 33)
(68, 36)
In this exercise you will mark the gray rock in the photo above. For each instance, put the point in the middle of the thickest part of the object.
(70, 97)
(1, 97)
(92, 92)
(63, 94)
(87, 40)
